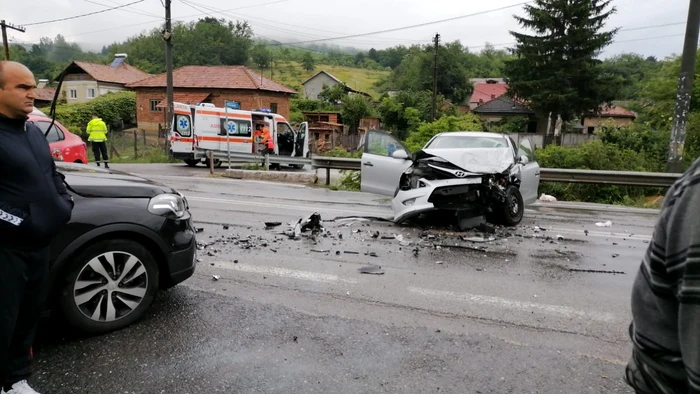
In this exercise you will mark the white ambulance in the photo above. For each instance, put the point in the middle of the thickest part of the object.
(198, 129)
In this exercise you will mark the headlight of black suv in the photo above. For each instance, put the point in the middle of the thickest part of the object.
(164, 204)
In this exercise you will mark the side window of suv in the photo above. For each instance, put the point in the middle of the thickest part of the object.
(54, 135)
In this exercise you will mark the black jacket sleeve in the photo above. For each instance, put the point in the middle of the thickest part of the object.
(59, 181)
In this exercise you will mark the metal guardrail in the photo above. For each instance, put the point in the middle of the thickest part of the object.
(623, 178)
(620, 178)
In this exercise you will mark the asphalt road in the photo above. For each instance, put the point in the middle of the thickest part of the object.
(451, 313)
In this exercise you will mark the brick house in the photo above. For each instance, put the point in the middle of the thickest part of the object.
(208, 84)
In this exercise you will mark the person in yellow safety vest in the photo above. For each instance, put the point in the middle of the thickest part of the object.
(97, 135)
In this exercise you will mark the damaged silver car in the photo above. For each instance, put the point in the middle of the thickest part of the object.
(479, 176)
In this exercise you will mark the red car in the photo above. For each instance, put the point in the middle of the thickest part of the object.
(65, 146)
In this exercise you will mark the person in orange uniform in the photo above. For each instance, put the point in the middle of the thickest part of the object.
(268, 140)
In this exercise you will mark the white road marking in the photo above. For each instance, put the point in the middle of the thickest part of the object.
(600, 234)
(284, 272)
(252, 203)
(557, 310)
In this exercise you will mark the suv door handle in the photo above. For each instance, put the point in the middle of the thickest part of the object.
(368, 164)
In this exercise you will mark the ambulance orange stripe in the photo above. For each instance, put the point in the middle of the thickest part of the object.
(223, 139)
(222, 114)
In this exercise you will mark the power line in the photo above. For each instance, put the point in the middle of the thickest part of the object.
(182, 19)
(409, 26)
(137, 12)
(82, 15)
(273, 27)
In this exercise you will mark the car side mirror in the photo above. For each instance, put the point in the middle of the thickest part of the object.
(400, 154)
(524, 159)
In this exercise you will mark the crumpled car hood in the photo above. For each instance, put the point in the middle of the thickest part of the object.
(476, 160)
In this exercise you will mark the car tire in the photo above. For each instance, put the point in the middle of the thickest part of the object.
(511, 213)
(192, 162)
(95, 304)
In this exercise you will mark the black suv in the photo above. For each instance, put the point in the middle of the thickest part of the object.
(128, 238)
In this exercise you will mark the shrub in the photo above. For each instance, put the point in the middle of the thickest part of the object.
(113, 108)
(594, 155)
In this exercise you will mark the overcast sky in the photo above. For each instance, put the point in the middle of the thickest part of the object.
(302, 20)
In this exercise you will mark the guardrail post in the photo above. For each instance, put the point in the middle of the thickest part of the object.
(267, 161)
(328, 176)
(136, 145)
(211, 162)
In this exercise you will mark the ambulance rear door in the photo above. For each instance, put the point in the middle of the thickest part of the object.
(181, 135)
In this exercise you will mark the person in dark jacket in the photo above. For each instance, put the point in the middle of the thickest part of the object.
(34, 207)
(665, 328)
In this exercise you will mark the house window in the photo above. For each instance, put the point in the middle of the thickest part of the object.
(73, 93)
(154, 106)
(316, 136)
(273, 108)
(591, 130)
(327, 137)
(324, 118)
(91, 93)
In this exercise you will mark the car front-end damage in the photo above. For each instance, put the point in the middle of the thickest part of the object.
(474, 183)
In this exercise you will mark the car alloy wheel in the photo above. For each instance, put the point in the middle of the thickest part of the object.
(110, 286)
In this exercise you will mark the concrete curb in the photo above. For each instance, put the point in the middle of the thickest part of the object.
(275, 176)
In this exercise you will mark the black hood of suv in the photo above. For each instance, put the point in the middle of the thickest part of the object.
(91, 181)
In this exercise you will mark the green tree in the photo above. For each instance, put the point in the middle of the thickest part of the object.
(354, 108)
(404, 112)
(262, 58)
(308, 62)
(555, 69)
(417, 69)
(334, 94)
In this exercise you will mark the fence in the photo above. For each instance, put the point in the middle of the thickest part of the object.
(132, 144)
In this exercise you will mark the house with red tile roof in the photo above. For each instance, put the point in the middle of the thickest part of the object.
(619, 115)
(86, 81)
(208, 84)
(486, 90)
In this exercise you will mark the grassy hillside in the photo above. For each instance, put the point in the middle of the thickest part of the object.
(292, 74)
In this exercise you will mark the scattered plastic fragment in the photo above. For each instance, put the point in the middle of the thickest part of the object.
(547, 198)
(439, 262)
(216, 277)
(616, 255)
(320, 251)
(604, 224)
(272, 224)
(226, 227)
(350, 252)
(399, 237)
(199, 229)
(372, 270)
(560, 237)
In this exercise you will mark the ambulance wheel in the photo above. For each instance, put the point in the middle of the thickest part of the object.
(192, 162)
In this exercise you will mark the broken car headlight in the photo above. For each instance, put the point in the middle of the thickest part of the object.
(409, 171)
(164, 204)
(409, 202)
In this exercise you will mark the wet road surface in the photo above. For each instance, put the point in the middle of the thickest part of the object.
(543, 307)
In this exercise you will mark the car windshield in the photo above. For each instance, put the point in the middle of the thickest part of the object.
(466, 142)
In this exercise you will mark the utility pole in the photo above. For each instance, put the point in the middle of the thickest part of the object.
(5, 43)
(168, 37)
(433, 113)
(685, 86)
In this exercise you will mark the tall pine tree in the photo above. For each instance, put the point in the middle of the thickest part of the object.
(555, 69)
